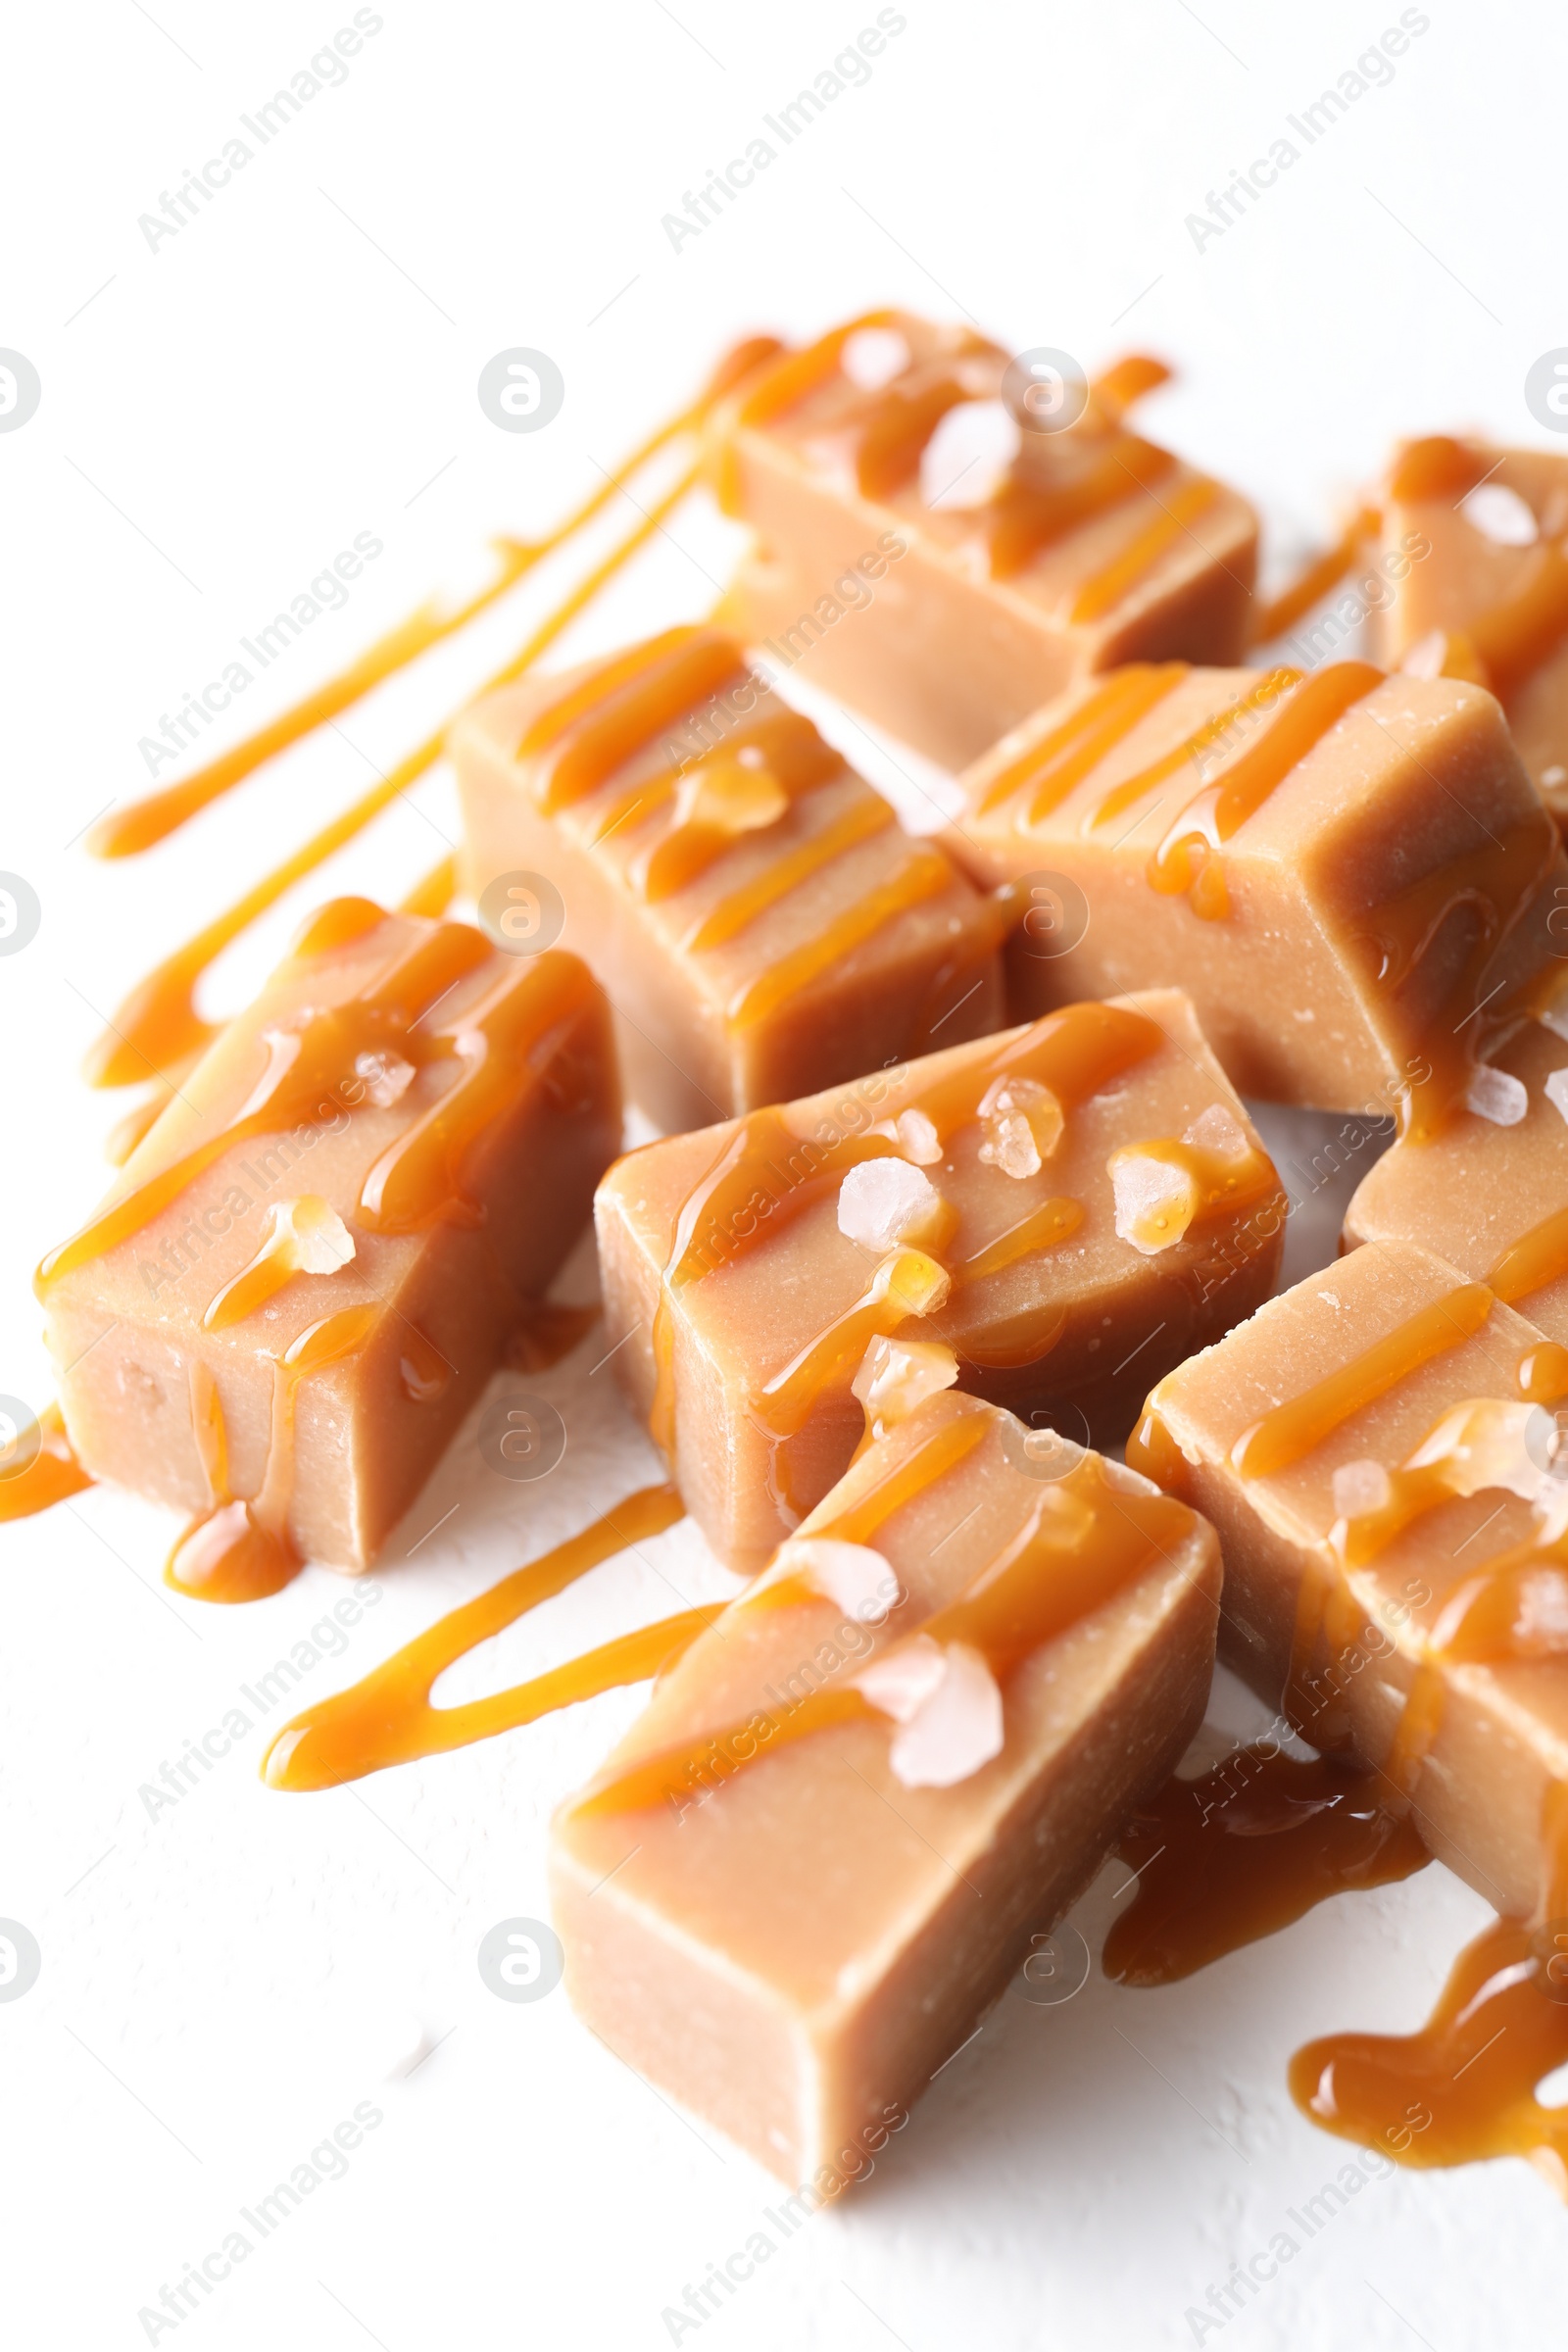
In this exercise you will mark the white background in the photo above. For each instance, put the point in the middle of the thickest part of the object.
(220, 416)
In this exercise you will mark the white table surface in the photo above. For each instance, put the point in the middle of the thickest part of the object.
(224, 1982)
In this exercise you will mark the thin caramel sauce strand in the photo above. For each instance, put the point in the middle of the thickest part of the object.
(436, 890)
(1217, 812)
(1463, 2087)
(387, 1717)
(1041, 1229)
(865, 817)
(1026, 516)
(1314, 580)
(924, 874)
(581, 738)
(53, 1474)
(1297, 1428)
(1108, 587)
(152, 819)
(305, 1066)
(1075, 748)
(1244, 1850)
(906, 1284)
(158, 1022)
(1528, 1264)
(901, 421)
(1189, 753)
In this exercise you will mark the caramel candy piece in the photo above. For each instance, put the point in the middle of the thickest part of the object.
(1376, 1453)
(820, 1853)
(1069, 1207)
(306, 1271)
(1340, 867)
(1473, 547)
(1491, 1193)
(1047, 556)
(760, 922)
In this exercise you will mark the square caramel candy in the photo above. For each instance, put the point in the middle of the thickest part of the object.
(1378, 1452)
(822, 1852)
(306, 1270)
(944, 539)
(761, 923)
(1491, 1193)
(1472, 544)
(1352, 873)
(1071, 1206)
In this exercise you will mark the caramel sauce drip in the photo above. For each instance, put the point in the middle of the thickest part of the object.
(778, 386)
(893, 438)
(1060, 762)
(436, 890)
(580, 739)
(157, 814)
(1041, 1229)
(861, 821)
(1194, 747)
(1187, 859)
(53, 1473)
(1465, 2086)
(1244, 1850)
(1082, 1543)
(417, 1178)
(1297, 1428)
(1494, 885)
(1528, 1264)
(244, 1551)
(1316, 578)
(1026, 516)
(388, 1719)
(1106, 588)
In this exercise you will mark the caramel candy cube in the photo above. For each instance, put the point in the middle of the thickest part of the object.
(1378, 1453)
(933, 552)
(823, 1851)
(305, 1272)
(1491, 1193)
(1069, 1207)
(1472, 548)
(1351, 875)
(761, 923)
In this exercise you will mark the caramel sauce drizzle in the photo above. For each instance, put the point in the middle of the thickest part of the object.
(1108, 587)
(1061, 759)
(53, 1473)
(1025, 516)
(238, 1551)
(1074, 1052)
(417, 1179)
(1187, 859)
(1244, 1851)
(1437, 467)
(608, 717)
(744, 785)
(1297, 1428)
(1194, 747)
(924, 874)
(1082, 1544)
(1508, 643)
(1316, 578)
(388, 1718)
(861, 821)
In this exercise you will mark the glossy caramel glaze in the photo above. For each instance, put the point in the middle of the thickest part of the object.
(53, 1473)
(1240, 1852)
(388, 1718)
